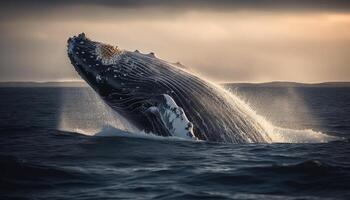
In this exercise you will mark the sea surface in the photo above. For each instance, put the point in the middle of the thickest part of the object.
(64, 143)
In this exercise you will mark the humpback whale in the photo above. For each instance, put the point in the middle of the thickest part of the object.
(160, 97)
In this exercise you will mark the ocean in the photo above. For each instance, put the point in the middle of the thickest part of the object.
(64, 143)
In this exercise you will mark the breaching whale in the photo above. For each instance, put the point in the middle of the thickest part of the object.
(160, 97)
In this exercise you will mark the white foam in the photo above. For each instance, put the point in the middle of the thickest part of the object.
(270, 132)
(84, 112)
(110, 131)
(284, 135)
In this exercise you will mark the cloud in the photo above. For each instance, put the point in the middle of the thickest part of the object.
(223, 4)
(244, 45)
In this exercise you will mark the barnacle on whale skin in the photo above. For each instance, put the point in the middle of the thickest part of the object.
(108, 54)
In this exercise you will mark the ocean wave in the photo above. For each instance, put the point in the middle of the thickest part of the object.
(110, 131)
(277, 134)
(285, 135)
(21, 173)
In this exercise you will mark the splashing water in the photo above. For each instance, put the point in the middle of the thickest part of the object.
(274, 133)
(110, 131)
(84, 112)
(92, 117)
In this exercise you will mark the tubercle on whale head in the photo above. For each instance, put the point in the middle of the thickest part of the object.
(80, 46)
(108, 54)
(72, 41)
(104, 52)
(81, 53)
(88, 58)
(104, 66)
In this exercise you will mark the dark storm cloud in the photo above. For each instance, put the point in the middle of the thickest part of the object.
(185, 4)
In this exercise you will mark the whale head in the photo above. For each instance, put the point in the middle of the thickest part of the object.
(93, 60)
(129, 82)
(107, 68)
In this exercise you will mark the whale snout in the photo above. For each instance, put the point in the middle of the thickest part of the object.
(80, 45)
(94, 61)
(81, 51)
(85, 51)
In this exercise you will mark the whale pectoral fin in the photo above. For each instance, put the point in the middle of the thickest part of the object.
(155, 118)
(168, 119)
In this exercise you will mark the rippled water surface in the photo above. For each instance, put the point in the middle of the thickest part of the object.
(46, 151)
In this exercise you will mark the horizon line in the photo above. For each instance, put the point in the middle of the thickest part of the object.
(226, 82)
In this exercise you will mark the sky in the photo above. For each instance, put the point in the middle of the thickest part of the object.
(222, 40)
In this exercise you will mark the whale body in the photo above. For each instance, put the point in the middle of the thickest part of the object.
(160, 97)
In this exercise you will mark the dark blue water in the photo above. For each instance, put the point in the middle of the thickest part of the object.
(42, 157)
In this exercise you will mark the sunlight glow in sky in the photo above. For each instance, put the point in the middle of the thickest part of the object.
(224, 45)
